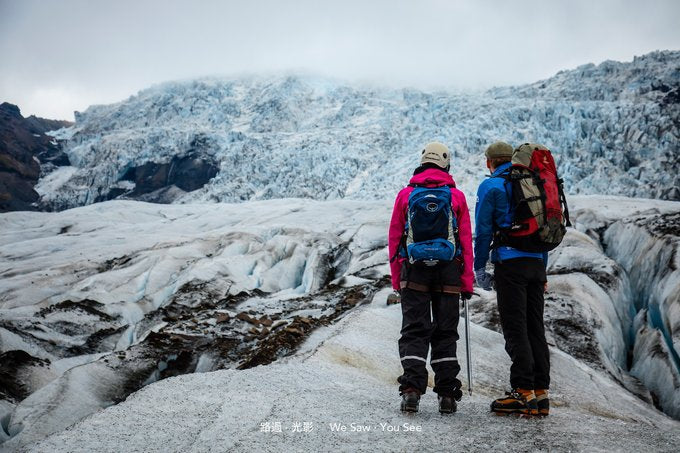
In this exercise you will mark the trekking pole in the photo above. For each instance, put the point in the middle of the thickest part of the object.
(467, 346)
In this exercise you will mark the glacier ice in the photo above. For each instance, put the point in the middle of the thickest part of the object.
(614, 129)
(227, 410)
(279, 143)
(137, 258)
(649, 254)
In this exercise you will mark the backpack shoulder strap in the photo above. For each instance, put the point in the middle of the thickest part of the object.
(563, 199)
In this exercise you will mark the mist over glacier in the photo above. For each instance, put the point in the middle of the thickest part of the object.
(614, 129)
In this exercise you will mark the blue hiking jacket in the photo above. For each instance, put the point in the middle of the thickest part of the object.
(491, 213)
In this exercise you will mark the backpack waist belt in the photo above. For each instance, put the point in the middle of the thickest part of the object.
(447, 289)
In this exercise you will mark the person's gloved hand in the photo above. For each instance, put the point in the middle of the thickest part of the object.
(394, 298)
(483, 279)
(465, 295)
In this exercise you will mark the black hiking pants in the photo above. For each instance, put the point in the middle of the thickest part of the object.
(519, 288)
(430, 312)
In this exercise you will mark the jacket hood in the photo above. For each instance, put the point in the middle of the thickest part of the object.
(432, 177)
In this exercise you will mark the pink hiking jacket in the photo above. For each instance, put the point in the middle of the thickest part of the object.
(432, 177)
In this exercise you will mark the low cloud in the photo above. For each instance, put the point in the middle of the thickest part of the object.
(63, 56)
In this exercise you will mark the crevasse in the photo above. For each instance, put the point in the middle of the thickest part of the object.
(648, 254)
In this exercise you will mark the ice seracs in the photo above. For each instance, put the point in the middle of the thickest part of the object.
(613, 129)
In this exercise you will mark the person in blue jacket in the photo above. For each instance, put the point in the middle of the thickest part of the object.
(520, 281)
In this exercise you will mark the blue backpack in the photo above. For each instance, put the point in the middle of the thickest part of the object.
(431, 230)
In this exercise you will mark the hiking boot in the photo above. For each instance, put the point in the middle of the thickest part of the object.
(518, 401)
(410, 399)
(543, 402)
(447, 404)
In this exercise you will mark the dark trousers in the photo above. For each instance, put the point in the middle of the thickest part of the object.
(519, 288)
(430, 318)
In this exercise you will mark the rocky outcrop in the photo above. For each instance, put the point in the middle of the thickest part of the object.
(25, 152)
(153, 180)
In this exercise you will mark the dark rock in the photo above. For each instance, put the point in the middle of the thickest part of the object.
(243, 316)
(111, 194)
(86, 305)
(263, 333)
(294, 331)
(187, 173)
(16, 192)
(114, 263)
(142, 363)
(24, 147)
(661, 224)
(12, 363)
(223, 317)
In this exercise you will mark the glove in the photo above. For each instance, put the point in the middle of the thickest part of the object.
(483, 279)
(393, 298)
(466, 295)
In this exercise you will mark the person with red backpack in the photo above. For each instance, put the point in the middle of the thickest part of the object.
(520, 214)
(430, 248)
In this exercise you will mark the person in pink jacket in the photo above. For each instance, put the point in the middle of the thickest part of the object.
(430, 291)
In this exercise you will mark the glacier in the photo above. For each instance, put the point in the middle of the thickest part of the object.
(614, 129)
(131, 292)
(118, 312)
(345, 375)
(637, 267)
(107, 299)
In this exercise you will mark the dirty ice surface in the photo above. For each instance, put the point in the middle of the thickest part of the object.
(134, 257)
(345, 375)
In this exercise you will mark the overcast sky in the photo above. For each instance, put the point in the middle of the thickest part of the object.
(61, 56)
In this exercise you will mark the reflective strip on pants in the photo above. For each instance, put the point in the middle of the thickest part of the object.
(444, 359)
(414, 357)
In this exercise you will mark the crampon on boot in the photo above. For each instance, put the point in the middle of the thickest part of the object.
(447, 401)
(410, 399)
(543, 402)
(447, 405)
(518, 401)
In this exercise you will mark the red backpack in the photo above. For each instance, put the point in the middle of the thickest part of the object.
(538, 207)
